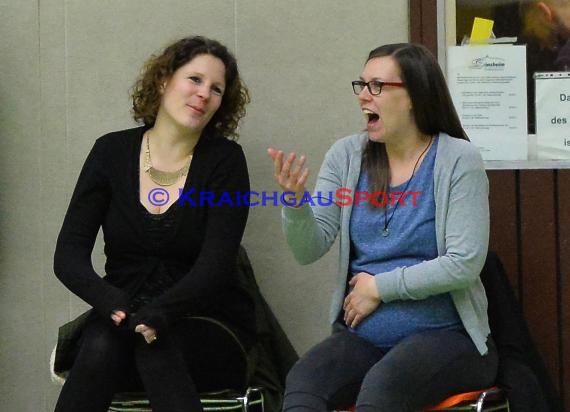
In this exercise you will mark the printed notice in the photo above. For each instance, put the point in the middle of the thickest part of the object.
(488, 87)
(552, 115)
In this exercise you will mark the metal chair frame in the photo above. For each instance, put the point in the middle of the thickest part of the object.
(489, 400)
(225, 400)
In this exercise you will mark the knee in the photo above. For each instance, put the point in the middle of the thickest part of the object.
(302, 391)
(297, 377)
(96, 352)
(158, 356)
(304, 376)
(383, 393)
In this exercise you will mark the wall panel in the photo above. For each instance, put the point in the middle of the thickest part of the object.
(538, 263)
(66, 73)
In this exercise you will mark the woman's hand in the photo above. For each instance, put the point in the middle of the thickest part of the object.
(148, 333)
(291, 177)
(117, 316)
(362, 300)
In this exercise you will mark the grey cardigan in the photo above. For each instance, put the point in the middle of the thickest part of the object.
(461, 223)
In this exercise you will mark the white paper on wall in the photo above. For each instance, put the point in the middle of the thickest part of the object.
(552, 105)
(488, 87)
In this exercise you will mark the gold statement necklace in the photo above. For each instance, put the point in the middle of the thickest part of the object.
(160, 177)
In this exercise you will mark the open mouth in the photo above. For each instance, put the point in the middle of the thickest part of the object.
(370, 116)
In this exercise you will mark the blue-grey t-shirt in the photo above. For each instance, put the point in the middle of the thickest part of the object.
(411, 240)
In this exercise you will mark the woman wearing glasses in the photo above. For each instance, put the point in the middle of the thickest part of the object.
(170, 317)
(410, 318)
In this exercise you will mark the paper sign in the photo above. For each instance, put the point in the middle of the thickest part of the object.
(488, 87)
(552, 105)
(481, 31)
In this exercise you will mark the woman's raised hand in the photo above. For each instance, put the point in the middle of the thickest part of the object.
(290, 175)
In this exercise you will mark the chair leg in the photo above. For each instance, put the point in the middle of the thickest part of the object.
(244, 403)
(481, 400)
(247, 398)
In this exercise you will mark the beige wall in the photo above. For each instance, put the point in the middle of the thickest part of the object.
(66, 67)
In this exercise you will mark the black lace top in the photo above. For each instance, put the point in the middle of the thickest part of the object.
(157, 228)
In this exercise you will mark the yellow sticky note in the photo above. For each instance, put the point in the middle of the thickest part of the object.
(481, 31)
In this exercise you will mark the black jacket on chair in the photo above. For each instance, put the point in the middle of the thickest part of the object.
(274, 354)
(521, 370)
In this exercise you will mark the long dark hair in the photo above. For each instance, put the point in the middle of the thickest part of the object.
(432, 107)
(146, 91)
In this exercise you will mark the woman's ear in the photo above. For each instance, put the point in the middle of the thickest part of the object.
(163, 85)
(545, 10)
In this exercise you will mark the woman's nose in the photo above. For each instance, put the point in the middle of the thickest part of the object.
(364, 94)
(204, 92)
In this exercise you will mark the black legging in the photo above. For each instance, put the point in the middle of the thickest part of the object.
(197, 356)
(419, 371)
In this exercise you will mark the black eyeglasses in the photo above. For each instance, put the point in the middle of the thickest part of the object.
(374, 86)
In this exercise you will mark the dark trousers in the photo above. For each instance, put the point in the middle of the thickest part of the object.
(195, 356)
(420, 371)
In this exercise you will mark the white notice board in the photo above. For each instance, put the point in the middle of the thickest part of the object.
(552, 105)
(488, 87)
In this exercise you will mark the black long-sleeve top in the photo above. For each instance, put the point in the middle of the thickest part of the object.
(198, 252)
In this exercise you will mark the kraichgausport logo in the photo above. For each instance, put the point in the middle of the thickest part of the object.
(340, 197)
(488, 63)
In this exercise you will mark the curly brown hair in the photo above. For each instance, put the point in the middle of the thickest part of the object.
(146, 92)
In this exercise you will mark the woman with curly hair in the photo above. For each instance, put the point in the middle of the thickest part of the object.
(169, 317)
